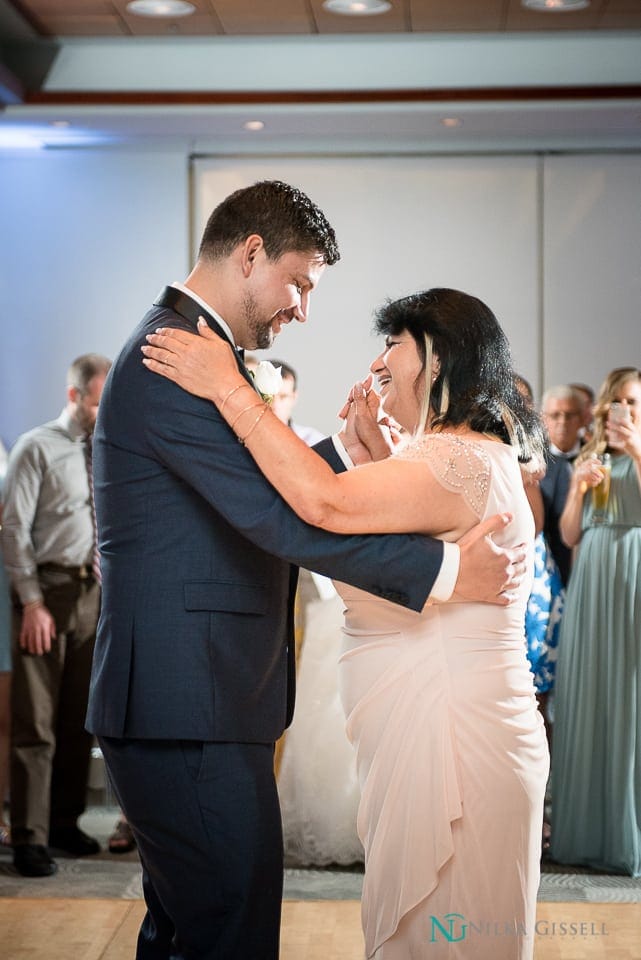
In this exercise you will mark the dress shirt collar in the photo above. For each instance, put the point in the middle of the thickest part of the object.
(71, 426)
(566, 454)
(206, 306)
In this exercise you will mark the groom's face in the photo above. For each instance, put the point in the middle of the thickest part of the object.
(276, 292)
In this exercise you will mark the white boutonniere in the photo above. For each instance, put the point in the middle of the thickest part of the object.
(267, 380)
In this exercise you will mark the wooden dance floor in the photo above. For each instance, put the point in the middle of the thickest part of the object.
(312, 930)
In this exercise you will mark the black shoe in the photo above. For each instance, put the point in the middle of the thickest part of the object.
(33, 860)
(73, 840)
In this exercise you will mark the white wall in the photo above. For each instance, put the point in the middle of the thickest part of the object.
(403, 224)
(551, 243)
(87, 238)
(592, 266)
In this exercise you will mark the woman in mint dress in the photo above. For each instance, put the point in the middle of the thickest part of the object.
(596, 769)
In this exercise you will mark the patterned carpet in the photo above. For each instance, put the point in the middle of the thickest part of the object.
(106, 875)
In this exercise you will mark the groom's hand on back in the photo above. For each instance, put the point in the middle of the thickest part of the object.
(487, 572)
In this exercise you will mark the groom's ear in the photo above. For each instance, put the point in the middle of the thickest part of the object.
(252, 247)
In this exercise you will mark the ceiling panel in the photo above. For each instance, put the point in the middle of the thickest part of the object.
(86, 25)
(278, 16)
(457, 15)
(258, 17)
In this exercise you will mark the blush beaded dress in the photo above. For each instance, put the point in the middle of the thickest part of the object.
(451, 753)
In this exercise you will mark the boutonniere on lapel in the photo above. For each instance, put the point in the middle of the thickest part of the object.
(267, 380)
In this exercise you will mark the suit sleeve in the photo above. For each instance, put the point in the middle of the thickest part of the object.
(188, 436)
(325, 448)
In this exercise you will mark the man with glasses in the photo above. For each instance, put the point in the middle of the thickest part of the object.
(562, 412)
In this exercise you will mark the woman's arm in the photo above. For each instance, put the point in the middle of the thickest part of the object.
(586, 475)
(390, 496)
(535, 499)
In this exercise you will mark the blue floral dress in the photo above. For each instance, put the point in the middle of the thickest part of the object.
(543, 616)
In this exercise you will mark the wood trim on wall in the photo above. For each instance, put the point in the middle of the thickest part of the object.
(214, 98)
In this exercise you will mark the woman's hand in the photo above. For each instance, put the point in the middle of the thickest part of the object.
(202, 364)
(589, 473)
(624, 436)
(366, 436)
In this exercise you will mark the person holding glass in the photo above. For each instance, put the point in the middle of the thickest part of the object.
(596, 767)
(5, 677)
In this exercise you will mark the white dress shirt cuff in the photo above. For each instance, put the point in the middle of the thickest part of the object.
(445, 582)
(342, 452)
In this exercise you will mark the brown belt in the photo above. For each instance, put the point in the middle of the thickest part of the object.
(83, 572)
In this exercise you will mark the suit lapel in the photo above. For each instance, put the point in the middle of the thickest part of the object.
(173, 299)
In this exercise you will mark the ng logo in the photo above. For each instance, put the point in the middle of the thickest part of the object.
(448, 928)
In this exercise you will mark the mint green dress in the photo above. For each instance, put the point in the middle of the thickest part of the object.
(596, 754)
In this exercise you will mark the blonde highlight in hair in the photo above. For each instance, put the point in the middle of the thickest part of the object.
(430, 378)
(426, 399)
(445, 398)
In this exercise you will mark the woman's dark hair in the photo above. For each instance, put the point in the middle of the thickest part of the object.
(476, 382)
(285, 218)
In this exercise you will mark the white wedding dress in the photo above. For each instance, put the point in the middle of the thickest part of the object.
(317, 780)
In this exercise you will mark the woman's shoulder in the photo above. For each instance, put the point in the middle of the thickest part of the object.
(460, 461)
(469, 446)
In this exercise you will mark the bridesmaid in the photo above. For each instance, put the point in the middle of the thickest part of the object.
(596, 769)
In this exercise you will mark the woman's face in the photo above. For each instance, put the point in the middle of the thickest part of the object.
(396, 370)
(629, 394)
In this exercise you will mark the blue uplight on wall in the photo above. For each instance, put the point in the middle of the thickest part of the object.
(15, 138)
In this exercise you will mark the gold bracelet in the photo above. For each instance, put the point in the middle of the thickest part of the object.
(260, 416)
(244, 410)
(31, 604)
(233, 390)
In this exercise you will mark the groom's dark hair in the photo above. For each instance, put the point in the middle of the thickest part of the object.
(285, 218)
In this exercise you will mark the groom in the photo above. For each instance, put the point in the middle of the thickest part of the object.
(193, 674)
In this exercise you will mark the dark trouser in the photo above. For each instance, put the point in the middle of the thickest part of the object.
(50, 748)
(207, 824)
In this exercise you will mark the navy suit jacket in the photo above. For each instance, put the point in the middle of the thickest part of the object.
(555, 487)
(199, 564)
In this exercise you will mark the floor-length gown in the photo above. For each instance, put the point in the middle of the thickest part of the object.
(596, 770)
(451, 751)
(317, 782)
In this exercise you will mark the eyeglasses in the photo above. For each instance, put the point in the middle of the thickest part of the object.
(561, 415)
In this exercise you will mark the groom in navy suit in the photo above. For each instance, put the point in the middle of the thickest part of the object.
(193, 675)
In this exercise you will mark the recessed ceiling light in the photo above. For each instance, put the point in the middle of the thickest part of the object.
(556, 6)
(451, 121)
(61, 123)
(160, 8)
(254, 125)
(357, 8)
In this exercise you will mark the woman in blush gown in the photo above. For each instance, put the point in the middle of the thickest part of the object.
(451, 752)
